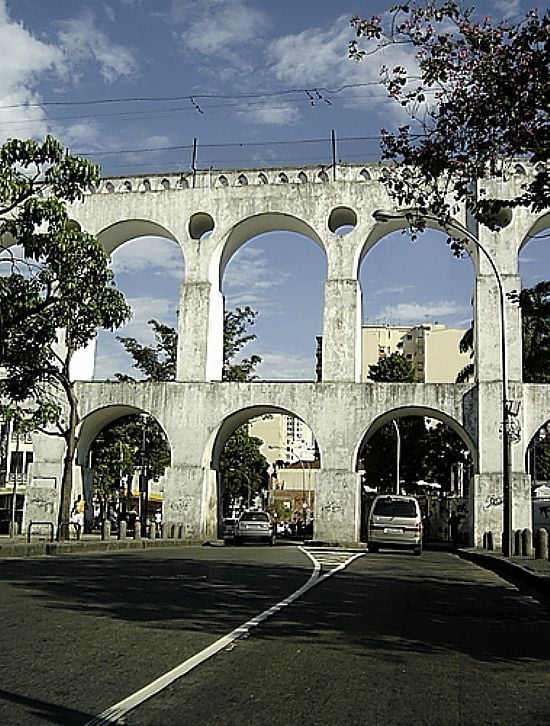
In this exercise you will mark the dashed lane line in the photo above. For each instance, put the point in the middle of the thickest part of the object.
(337, 560)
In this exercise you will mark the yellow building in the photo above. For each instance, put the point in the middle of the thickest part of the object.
(431, 348)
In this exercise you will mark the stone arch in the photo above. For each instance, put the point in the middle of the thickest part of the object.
(322, 176)
(165, 184)
(382, 229)
(217, 442)
(96, 420)
(122, 231)
(237, 418)
(364, 175)
(255, 225)
(405, 411)
(282, 178)
(302, 177)
(540, 224)
(145, 186)
(222, 181)
(242, 180)
(109, 187)
(262, 178)
(126, 186)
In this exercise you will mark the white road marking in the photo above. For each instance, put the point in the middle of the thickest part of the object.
(114, 714)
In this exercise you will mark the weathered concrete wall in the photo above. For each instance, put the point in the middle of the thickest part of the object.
(210, 222)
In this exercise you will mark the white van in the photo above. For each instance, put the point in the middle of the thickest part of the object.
(395, 521)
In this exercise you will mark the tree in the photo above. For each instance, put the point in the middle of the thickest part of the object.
(466, 345)
(158, 362)
(480, 102)
(235, 337)
(535, 310)
(443, 451)
(116, 455)
(53, 300)
(535, 323)
(394, 368)
(242, 467)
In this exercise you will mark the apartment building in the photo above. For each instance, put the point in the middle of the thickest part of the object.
(431, 348)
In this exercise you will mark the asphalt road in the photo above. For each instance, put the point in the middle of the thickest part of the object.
(393, 639)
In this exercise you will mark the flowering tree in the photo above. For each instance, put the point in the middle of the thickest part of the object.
(480, 101)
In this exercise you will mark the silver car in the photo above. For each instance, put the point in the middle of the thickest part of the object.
(255, 526)
(395, 521)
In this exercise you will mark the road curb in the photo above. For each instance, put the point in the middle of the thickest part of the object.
(10, 550)
(508, 569)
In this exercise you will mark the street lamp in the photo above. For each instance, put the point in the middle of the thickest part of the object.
(143, 476)
(510, 409)
(397, 457)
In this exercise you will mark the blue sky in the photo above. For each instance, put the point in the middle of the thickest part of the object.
(232, 72)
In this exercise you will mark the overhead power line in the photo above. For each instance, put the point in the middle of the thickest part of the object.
(318, 93)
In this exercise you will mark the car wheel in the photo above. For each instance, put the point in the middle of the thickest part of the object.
(238, 541)
(373, 547)
(417, 551)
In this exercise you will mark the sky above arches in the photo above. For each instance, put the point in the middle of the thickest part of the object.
(253, 82)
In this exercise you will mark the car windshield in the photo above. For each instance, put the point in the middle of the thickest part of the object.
(395, 508)
(254, 517)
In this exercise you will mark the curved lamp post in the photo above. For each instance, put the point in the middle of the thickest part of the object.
(508, 407)
(397, 456)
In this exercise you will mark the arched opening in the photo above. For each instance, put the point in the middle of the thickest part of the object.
(424, 454)
(417, 304)
(537, 466)
(124, 454)
(266, 459)
(148, 266)
(534, 303)
(276, 265)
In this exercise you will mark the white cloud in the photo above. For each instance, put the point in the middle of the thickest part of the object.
(280, 114)
(24, 60)
(508, 9)
(392, 290)
(419, 312)
(318, 57)
(222, 27)
(154, 254)
(27, 61)
(81, 41)
(251, 279)
(279, 366)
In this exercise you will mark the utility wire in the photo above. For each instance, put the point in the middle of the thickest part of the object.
(318, 92)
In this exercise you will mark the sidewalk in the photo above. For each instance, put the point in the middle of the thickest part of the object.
(527, 571)
(38, 547)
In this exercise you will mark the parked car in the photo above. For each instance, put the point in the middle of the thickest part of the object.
(395, 521)
(228, 529)
(255, 526)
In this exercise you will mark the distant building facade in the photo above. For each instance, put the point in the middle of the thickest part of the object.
(431, 348)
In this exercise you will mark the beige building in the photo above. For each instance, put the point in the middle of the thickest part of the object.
(285, 438)
(431, 348)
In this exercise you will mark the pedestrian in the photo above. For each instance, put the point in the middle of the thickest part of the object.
(158, 522)
(77, 515)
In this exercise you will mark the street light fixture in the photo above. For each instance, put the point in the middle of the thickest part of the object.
(510, 409)
(397, 457)
(143, 477)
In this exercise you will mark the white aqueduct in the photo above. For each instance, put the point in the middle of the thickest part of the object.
(210, 216)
